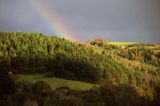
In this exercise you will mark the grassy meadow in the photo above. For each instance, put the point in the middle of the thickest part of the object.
(56, 82)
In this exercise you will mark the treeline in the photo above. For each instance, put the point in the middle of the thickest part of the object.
(143, 53)
(141, 60)
(147, 53)
(110, 93)
(35, 52)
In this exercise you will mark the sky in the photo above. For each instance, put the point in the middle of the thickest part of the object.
(115, 20)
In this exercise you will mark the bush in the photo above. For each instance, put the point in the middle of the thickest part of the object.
(7, 84)
(92, 97)
(30, 103)
(69, 101)
(127, 96)
(24, 86)
(108, 92)
(156, 85)
(42, 88)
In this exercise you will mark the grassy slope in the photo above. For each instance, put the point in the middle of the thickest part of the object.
(57, 82)
(122, 43)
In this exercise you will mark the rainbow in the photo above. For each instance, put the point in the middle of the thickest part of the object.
(53, 20)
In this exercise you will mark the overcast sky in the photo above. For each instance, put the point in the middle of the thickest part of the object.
(116, 20)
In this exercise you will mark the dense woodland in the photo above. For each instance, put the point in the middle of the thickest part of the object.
(127, 75)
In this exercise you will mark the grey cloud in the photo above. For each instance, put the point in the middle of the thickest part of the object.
(118, 20)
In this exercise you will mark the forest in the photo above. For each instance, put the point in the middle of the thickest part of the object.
(124, 73)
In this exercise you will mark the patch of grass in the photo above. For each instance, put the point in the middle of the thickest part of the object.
(123, 43)
(56, 82)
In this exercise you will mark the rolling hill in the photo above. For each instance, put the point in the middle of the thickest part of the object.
(96, 73)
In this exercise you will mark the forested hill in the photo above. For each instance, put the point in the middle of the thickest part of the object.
(40, 70)
(94, 61)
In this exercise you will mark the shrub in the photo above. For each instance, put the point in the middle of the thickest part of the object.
(42, 88)
(108, 91)
(30, 103)
(69, 101)
(24, 86)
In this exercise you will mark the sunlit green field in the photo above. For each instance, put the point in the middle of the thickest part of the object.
(57, 82)
(123, 43)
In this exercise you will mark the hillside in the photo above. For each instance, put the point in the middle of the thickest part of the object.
(57, 82)
(121, 71)
(35, 52)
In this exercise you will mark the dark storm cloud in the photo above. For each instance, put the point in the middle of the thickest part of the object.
(117, 20)
(19, 15)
